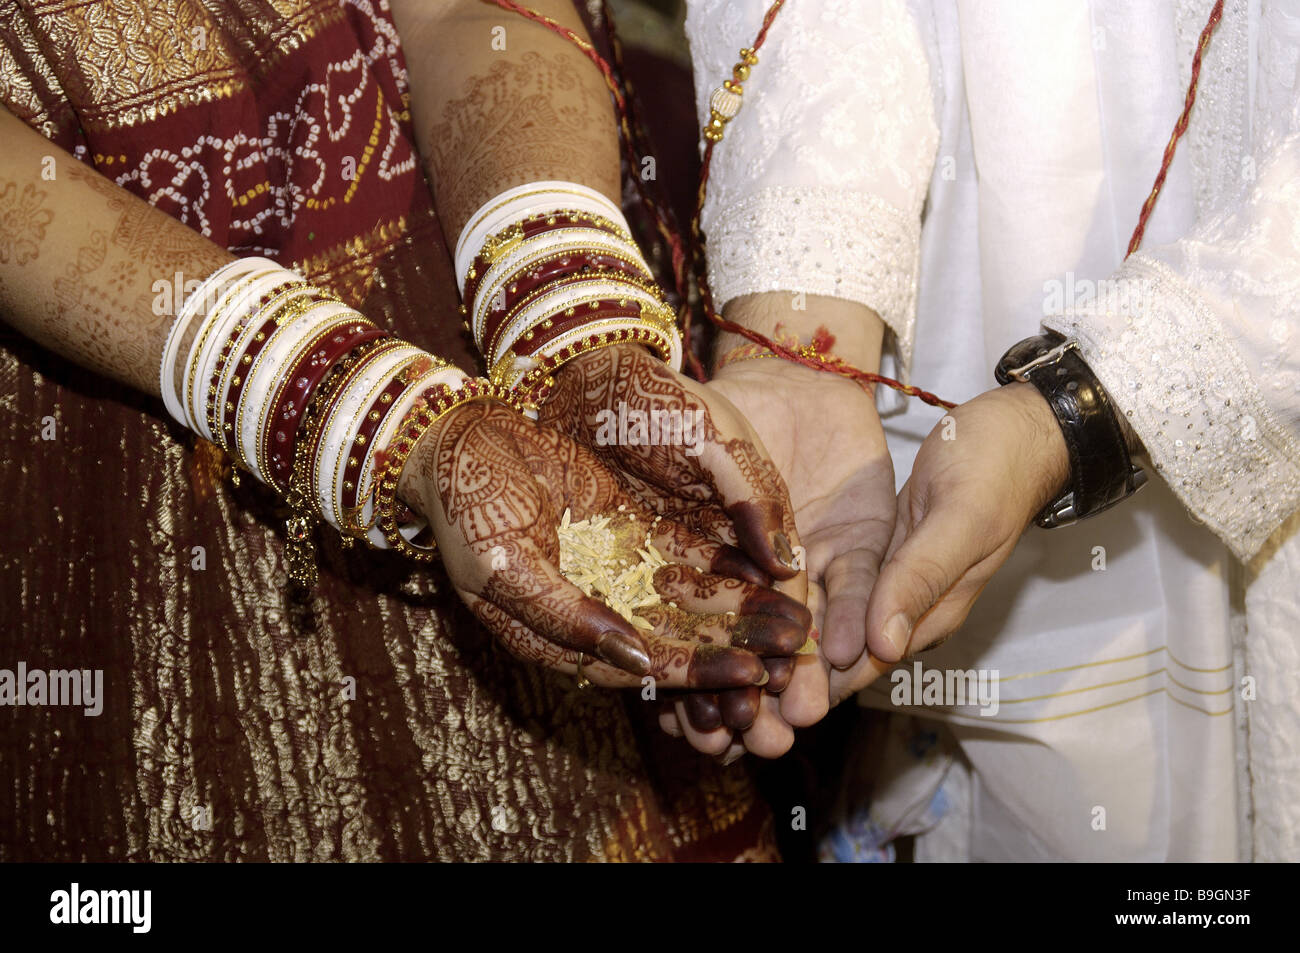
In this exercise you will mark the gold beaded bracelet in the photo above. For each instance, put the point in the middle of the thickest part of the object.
(300, 550)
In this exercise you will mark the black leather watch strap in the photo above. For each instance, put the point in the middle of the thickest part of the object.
(1101, 471)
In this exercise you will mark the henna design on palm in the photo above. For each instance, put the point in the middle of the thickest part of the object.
(493, 485)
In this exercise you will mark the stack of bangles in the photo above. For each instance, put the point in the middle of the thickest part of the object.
(312, 399)
(324, 407)
(549, 271)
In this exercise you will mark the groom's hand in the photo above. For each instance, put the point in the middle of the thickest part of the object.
(826, 439)
(978, 481)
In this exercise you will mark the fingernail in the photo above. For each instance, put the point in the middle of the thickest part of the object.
(897, 631)
(623, 652)
(764, 680)
(781, 546)
(733, 757)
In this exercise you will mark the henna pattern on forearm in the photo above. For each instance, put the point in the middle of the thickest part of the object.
(94, 300)
(527, 120)
(24, 217)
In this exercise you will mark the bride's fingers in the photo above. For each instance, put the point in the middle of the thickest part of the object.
(753, 495)
(703, 711)
(525, 644)
(739, 707)
(710, 593)
(680, 544)
(763, 635)
(530, 588)
(779, 671)
(673, 664)
(709, 742)
(707, 520)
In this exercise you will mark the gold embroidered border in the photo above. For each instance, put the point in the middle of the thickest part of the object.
(140, 61)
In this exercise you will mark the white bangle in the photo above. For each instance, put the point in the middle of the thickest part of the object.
(228, 314)
(231, 368)
(516, 204)
(342, 411)
(380, 376)
(185, 316)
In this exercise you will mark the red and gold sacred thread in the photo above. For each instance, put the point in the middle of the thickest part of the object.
(1180, 127)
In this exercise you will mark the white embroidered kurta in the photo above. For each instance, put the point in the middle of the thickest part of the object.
(1121, 643)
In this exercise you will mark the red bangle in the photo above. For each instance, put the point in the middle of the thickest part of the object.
(532, 341)
(372, 420)
(531, 228)
(356, 359)
(517, 297)
(281, 430)
(590, 264)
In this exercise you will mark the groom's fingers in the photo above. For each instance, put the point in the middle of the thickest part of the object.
(806, 698)
(950, 612)
(849, 580)
(933, 558)
(851, 680)
(770, 736)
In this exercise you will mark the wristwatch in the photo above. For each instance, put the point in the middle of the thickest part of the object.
(1101, 470)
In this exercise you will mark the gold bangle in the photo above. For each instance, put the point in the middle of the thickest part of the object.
(534, 385)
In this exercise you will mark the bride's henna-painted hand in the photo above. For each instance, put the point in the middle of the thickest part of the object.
(696, 458)
(700, 461)
(494, 486)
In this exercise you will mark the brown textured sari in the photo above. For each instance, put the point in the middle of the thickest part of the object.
(379, 722)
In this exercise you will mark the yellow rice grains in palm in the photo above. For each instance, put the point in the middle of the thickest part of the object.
(611, 558)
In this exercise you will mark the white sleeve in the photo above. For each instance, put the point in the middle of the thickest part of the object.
(818, 183)
(1198, 343)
